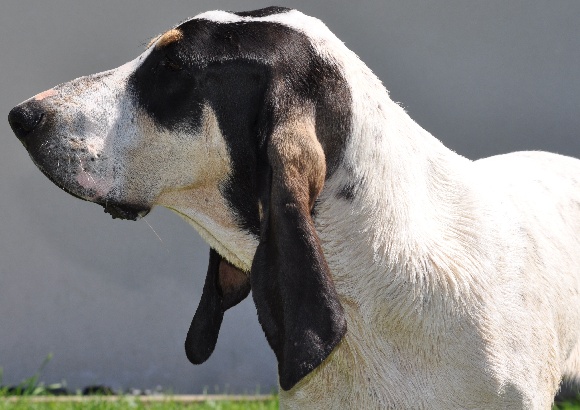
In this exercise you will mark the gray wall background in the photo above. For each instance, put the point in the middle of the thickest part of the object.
(110, 299)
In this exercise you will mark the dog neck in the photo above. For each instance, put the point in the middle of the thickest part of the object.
(401, 234)
(404, 201)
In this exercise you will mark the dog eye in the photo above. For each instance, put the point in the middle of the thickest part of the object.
(171, 64)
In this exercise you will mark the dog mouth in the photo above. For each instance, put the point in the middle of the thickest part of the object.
(115, 209)
(122, 211)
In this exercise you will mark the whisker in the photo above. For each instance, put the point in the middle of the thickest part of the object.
(158, 237)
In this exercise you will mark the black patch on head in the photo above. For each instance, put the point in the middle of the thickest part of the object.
(265, 12)
(168, 91)
(237, 69)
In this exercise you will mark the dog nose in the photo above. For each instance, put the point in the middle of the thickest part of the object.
(25, 118)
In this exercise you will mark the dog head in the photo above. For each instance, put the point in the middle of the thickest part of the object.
(234, 120)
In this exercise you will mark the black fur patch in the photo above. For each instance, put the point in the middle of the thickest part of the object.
(235, 67)
(215, 300)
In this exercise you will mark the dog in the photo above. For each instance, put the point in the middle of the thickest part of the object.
(387, 271)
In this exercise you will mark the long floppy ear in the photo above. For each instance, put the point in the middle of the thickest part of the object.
(225, 286)
(292, 287)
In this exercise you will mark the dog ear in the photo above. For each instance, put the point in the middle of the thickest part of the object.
(225, 286)
(292, 287)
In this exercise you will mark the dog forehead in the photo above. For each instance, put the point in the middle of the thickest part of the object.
(291, 18)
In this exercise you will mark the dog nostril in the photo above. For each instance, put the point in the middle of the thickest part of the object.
(25, 118)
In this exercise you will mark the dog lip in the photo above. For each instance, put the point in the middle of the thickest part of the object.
(123, 211)
(54, 181)
(116, 210)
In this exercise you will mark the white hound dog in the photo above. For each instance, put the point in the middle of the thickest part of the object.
(387, 271)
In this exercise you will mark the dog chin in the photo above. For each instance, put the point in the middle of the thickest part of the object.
(116, 210)
(124, 211)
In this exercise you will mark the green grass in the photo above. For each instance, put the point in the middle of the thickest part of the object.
(31, 394)
(133, 403)
(30, 386)
(568, 405)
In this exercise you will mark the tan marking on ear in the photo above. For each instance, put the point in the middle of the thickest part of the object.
(169, 37)
(296, 151)
(230, 277)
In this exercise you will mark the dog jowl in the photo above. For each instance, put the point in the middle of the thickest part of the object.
(225, 119)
